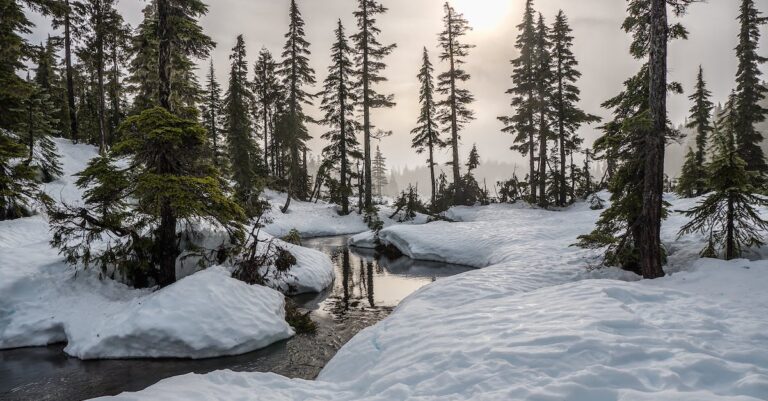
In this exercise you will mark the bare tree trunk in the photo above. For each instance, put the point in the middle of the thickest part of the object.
(457, 188)
(730, 246)
(100, 76)
(542, 161)
(653, 182)
(367, 179)
(532, 162)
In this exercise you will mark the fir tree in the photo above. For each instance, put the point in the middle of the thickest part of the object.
(48, 80)
(369, 60)
(69, 16)
(427, 133)
(454, 109)
(36, 132)
(750, 91)
(692, 176)
(522, 122)
(243, 152)
(117, 47)
(267, 92)
(473, 162)
(728, 216)
(212, 114)
(18, 187)
(569, 117)
(170, 180)
(188, 42)
(296, 73)
(379, 173)
(338, 103)
(543, 93)
(700, 119)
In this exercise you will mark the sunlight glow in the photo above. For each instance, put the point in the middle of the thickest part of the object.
(484, 15)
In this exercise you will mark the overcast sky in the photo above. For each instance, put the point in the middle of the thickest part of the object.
(600, 46)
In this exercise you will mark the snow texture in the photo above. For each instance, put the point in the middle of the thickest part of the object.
(534, 324)
(206, 314)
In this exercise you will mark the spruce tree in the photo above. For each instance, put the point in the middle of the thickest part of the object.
(473, 162)
(427, 133)
(338, 103)
(36, 132)
(69, 16)
(700, 121)
(622, 228)
(267, 92)
(454, 109)
(117, 47)
(568, 116)
(543, 92)
(692, 176)
(729, 215)
(295, 74)
(379, 172)
(369, 61)
(522, 122)
(18, 187)
(750, 91)
(48, 80)
(169, 180)
(212, 114)
(188, 43)
(244, 156)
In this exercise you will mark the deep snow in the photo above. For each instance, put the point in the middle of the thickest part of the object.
(43, 301)
(534, 324)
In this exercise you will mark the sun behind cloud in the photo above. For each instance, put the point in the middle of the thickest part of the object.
(484, 15)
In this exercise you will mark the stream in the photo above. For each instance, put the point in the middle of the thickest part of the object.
(365, 291)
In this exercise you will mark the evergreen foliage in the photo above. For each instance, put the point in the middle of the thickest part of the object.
(36, 132)
(338, 103)
(169, 180)
(18, 187)
(700, 121)
(212, 110)
(454, 112)
(426, 136)
(729, 215)
(379, 173)
(369, 61)
(267, 91)
(692, 176)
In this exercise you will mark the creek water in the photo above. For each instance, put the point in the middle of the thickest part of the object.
(366, 290)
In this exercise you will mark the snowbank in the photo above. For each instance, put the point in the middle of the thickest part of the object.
(534, 324)
(206, 314)
(313, 272)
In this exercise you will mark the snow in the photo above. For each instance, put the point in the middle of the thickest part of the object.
(535, 324)
(320, 219)
(205, 314)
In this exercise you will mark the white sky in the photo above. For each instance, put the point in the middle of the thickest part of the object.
(600, 47)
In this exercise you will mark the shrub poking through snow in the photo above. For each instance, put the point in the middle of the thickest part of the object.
(133, 217)
(263, 261)
(293, 237)
(408, 205)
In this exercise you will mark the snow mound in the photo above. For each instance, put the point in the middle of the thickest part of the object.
(313, 272)
(204, 315)
(693, 336)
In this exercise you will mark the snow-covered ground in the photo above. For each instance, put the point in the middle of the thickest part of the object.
(206, 314)
(534, 324)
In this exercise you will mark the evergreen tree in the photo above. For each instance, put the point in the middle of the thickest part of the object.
(36, 132)
(474, 159)
(48, 80)
(117, 48)
(379, 173)
(369, 60)
(18, 187)
(296, 73)
(569, 117)
(243, 151)
(620, 227)
(522, 122)
(427, 133)
(701, 113)
(212, 114)
(454, 109)
(728, 216)
(750, 91)
(267, 92)
(692, 176)
(543, 92)
(188, 42)
(338, 103)
(170, 180)
(69, 15)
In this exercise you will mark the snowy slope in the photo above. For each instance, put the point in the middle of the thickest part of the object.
(43, 301)
(534, 324)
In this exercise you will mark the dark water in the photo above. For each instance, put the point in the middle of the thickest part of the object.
(365, 291)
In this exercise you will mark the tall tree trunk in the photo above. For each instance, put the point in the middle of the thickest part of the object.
(100, 77)
(267, 148)
(69, 72)
(343, 144)
(532, 160)
(366, 114)
(432, 167)
(730, 245)
(457, 187)
(653, 182)
(164, 54)
(115, 97)
(561, 135)
(542, 160)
